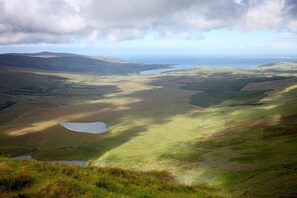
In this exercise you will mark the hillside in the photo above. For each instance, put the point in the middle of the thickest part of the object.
(230, 131)
(74, 63)
(22, 178)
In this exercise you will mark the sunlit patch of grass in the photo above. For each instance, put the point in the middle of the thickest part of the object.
(288, 89)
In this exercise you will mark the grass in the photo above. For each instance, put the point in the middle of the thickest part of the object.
(35, 179)
(227, 91)
(231, 146)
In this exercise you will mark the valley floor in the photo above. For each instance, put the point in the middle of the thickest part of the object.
(230, 130)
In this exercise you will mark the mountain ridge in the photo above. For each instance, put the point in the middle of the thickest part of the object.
(75, 63)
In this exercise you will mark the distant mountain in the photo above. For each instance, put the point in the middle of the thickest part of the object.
(74, 63)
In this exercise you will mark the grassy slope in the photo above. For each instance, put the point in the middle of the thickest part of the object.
(35, 179)
(253, 154)
(237, 150)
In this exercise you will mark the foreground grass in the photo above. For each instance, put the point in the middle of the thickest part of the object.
(21, 178)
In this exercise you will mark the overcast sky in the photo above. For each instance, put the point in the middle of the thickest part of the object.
(150, 27)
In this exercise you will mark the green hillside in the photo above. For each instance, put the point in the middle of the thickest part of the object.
(230, 132)
(22, 178)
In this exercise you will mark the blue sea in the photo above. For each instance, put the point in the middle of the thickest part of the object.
(190, 62)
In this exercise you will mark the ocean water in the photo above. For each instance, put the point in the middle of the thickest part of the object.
(190, 62)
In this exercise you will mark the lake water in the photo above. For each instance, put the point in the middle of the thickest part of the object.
(190, 62)
(70, 162)
(66, 162)
(85, 127)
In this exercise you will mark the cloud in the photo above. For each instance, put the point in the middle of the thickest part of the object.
(59, 21)
(265, 15)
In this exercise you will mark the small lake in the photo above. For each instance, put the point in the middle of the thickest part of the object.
(65, 162)
(70, 162)
(85, 127)
(171, 68)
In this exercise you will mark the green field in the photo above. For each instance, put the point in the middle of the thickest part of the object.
(229, 132)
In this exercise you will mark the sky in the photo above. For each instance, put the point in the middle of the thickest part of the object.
(127, 28)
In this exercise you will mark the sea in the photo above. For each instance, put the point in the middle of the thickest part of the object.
(180, 63)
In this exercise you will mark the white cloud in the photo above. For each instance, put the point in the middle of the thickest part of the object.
(116, 34)
(265, 15)
(32, 38)
(53, 21)
(93, 36)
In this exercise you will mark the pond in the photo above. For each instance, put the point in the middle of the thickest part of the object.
(85, 127)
